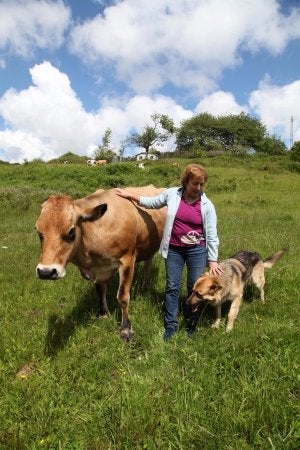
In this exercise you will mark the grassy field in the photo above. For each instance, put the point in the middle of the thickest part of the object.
(68, 382)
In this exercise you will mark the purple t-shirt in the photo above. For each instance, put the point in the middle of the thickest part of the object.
(187, 227)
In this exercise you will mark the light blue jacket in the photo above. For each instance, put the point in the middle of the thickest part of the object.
(171, 198)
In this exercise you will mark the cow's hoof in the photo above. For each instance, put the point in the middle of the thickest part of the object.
(127, 334)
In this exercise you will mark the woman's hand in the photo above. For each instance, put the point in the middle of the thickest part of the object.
(122, 193)
(126, 194)
(214, 268)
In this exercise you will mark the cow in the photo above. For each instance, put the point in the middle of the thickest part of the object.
(99, 234)
(91, 162)
(101, 162)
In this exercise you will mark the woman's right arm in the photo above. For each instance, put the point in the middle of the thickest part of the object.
(152, 202)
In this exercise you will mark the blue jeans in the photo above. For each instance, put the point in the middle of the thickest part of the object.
(194, 257)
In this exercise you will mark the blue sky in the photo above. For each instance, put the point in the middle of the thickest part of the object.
(70, 69)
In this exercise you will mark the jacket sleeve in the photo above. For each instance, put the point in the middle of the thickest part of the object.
(156, 202)
(211, 234)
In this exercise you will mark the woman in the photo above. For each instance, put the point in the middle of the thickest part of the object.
(190, 237)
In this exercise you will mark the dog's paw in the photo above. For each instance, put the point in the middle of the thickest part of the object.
(216, 324)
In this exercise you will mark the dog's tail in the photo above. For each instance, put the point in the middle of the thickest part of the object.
(269, 262)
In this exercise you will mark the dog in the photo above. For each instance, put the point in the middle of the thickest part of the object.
(229, 285)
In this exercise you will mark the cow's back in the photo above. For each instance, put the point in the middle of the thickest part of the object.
(125, 227)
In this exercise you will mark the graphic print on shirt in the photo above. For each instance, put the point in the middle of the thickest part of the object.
(192, 237)
(187, 226)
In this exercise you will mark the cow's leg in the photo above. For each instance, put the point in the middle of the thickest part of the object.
(101, 291)
(126, 271)
(147, 268)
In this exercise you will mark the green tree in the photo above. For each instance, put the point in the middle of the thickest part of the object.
(104, 150)
(157, 133)
(295, 151)
(224, 132)
(272, 145)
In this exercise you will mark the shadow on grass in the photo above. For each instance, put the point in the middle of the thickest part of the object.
(62, 327)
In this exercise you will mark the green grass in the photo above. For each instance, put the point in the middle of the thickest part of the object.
(88, 390)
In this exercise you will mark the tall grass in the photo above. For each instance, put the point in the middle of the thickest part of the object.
(68, 382)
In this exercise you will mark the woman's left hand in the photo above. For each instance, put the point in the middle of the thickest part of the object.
(214, 268)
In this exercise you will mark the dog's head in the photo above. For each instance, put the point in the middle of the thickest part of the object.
(206, 289)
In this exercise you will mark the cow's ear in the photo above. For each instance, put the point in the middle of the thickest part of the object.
(91, 214)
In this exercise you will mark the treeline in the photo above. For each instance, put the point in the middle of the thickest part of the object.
(202, 134)
(199, 136)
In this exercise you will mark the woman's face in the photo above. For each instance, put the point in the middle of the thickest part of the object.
(194, 186)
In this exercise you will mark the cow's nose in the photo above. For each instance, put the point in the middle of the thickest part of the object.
(47, 274)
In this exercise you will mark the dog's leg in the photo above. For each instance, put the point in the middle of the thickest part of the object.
(233, 312)
(217, 321)
(258, 279)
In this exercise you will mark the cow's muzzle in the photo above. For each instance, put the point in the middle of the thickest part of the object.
(49, 273)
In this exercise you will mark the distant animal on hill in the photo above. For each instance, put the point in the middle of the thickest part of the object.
(101, 162)
(91, 162)
(99, 234)
(141, 166)
(229, 286)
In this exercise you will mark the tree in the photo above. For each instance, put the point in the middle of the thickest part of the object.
(272, 145)
(162, 129)
(104, 151)
(295, 151)
(223, 132)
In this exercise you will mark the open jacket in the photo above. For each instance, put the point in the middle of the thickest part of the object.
(171, 198)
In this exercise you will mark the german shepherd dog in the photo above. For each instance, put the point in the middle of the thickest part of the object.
(229, 286)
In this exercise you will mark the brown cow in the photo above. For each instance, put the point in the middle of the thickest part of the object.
(101, 162)
(100, 233)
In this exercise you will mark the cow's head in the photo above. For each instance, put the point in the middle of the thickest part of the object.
(59, 230)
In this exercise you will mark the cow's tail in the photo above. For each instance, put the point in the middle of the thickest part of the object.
(271, 260)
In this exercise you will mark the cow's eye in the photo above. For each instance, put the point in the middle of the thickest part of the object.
(69, 237)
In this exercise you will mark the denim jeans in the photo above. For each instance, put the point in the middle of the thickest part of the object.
(194, 257)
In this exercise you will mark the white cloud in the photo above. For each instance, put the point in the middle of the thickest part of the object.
(50, 111)
(275, 106)
(188, 44)
(29, 24)
(220, 103)
(47, 119)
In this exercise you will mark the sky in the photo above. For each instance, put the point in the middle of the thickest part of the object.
(71, 69)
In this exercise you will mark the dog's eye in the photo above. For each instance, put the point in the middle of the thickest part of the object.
(198, 295)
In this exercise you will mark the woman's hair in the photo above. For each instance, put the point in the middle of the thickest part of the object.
(193, 170)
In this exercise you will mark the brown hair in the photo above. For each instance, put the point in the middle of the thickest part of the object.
(193, 170)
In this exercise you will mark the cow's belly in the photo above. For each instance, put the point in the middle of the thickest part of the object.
(98, 271)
